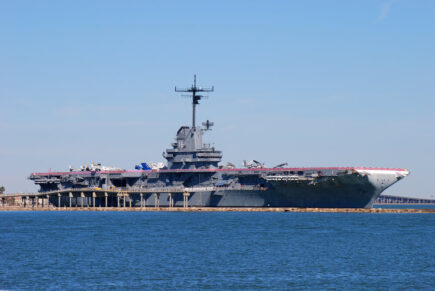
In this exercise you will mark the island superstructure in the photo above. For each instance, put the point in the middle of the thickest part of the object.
(193, 170)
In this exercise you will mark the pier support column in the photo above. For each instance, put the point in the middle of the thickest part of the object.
(119, 205)
(70, 199)
(48, 201)
(156, 200)
(82, 195)
(124, 195)
(171, 200)
(93, 199)
(186, 199)
(141, 200)
(129, 200)
(105, 199)
(27, 201)
(58, 199)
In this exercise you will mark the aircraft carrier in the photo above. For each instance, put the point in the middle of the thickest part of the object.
(193, 169)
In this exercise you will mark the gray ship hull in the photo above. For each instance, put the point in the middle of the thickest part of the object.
(347, 191)
(358, 188)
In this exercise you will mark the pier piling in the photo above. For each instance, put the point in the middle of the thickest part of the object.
(186, 199)
(171, 200)
(82, 195)
(156, 200)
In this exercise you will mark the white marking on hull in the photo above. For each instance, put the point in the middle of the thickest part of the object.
(397, 173)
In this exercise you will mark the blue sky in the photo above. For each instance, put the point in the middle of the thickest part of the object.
(311, 83)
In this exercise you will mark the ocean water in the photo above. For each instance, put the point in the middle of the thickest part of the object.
(229, 250)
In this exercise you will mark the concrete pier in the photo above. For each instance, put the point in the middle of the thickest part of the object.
(117, 200)
(222, 209)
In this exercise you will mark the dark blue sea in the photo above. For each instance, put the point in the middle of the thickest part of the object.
(225, 250)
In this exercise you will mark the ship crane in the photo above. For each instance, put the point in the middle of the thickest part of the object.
(281, 165)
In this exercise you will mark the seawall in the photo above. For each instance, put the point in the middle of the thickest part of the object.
(220, 209)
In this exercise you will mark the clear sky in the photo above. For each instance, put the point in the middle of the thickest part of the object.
(311, 83)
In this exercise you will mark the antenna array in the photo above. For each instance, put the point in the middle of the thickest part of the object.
(195, 97)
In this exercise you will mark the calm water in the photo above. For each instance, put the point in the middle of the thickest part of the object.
(116, 250)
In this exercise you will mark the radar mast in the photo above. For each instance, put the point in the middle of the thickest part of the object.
(195, 97)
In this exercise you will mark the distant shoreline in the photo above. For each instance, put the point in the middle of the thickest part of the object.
(220, 209)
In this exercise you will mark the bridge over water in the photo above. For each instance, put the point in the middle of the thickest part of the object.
(390, 199)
